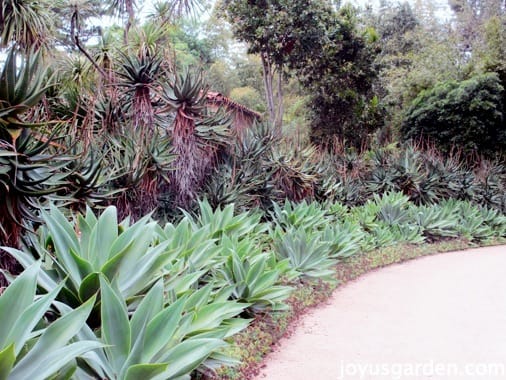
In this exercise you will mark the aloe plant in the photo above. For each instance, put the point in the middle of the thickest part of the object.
(21, 88)
(27, 24)
(29, 350)
(29, 171)
(139, 170)
(196, 135)
(244, 175)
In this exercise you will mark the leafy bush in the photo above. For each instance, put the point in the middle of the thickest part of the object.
(468, 114)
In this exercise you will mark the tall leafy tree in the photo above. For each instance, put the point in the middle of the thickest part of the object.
(416, 51)
(322, 47)
(284, 33)
(339, 77)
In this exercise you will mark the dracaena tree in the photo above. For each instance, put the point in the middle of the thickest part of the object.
(196, 135)
(25, 23)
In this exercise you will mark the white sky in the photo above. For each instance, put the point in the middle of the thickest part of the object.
(443, 10)
(442, 7)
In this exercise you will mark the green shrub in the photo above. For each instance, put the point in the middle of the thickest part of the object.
(467, 114)
(249, 97)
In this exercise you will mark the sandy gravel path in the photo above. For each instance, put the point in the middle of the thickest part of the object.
(439, 317)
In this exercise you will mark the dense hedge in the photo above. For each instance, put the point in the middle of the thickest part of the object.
(467, 114)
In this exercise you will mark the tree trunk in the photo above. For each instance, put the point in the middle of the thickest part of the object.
(10, 233)
(269, 95)
(278, 123)
(129, 6)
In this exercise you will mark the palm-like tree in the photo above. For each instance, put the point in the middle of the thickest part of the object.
(29, 174)
(120, 7)
(196, 135)
(25, 23)
(166, 12)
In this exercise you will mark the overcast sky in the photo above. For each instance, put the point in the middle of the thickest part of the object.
(442, 8)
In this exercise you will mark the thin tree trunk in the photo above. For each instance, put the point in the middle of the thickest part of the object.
(269, 96)
(74, 32)
(278, 124)
(129, 6)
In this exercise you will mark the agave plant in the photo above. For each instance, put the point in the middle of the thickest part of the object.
(307, 253)
(495, 220)
(79, 254)
(344, 239)
(225, 222)
(305, 216)
(471, 224)
(150, 342)
(30, 349)
(252, 278)
(436, 222)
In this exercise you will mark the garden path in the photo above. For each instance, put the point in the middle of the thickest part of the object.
(439, 317)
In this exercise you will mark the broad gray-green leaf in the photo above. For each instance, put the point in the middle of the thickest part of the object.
(115, 325)
(188, 355)
(54, 337)
(161, 329)
(145, 371)
(16, 298)
(29, 318)
(102, 237)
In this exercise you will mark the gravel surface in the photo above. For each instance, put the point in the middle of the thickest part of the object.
(438, 317)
